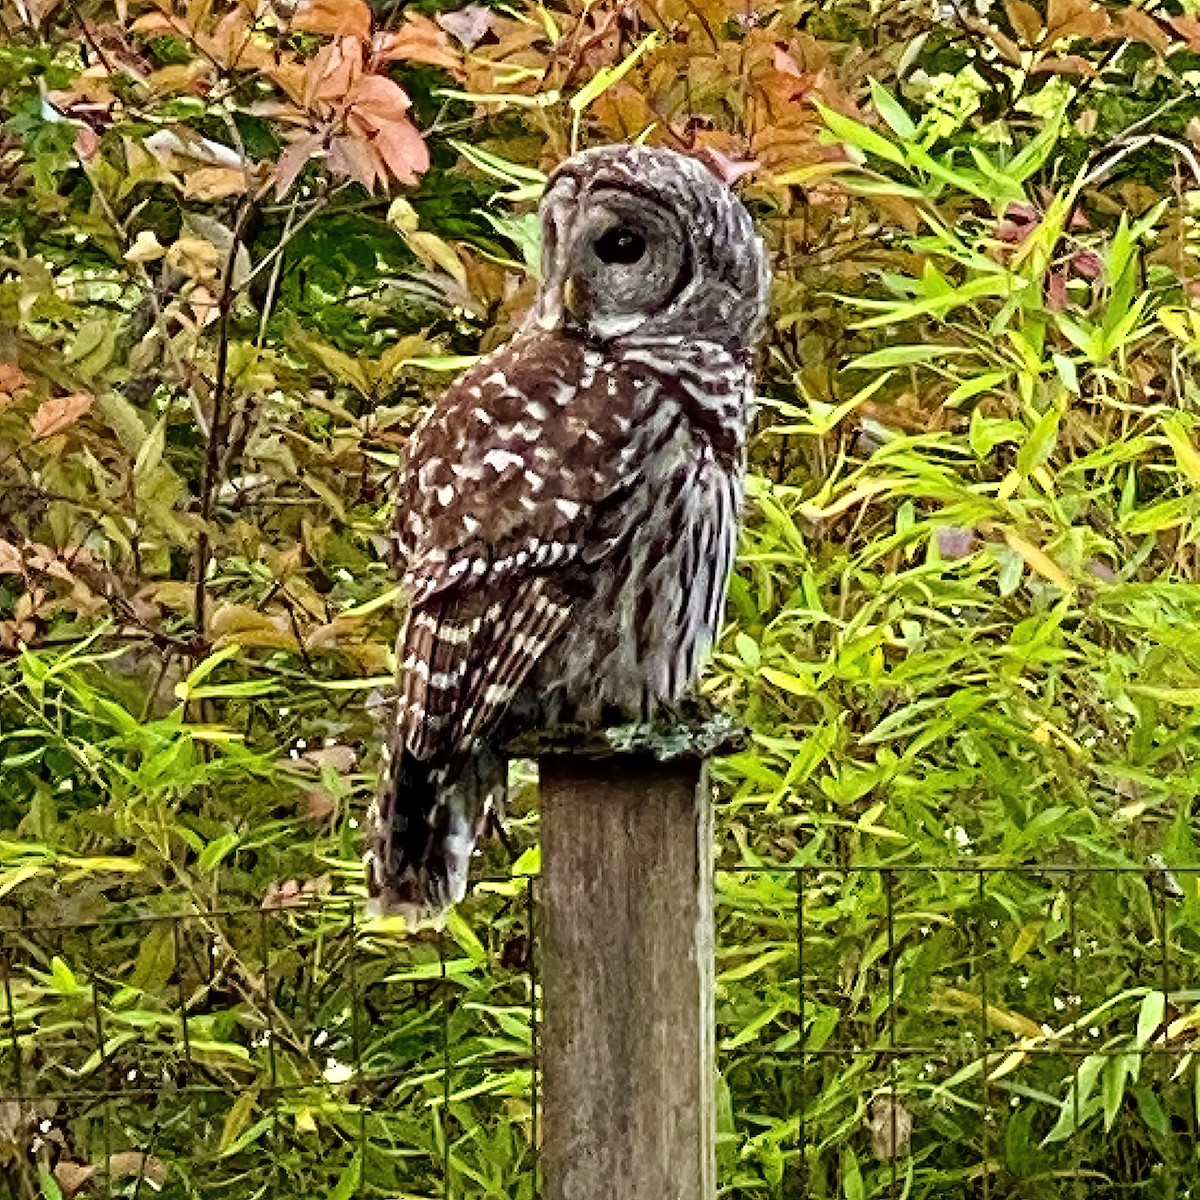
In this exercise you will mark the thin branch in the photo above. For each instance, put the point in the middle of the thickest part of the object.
(217, 429)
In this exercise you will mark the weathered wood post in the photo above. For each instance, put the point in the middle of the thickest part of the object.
(627, 966)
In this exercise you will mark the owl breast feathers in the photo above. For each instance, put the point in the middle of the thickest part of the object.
(568, 517)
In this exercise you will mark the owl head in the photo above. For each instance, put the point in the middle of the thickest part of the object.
(648, 243)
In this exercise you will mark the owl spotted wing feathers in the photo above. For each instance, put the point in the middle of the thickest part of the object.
(490, 511)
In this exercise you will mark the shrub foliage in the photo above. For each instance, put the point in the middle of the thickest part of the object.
(242, 242)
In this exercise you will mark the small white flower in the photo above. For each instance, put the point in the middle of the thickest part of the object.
(337, 1072)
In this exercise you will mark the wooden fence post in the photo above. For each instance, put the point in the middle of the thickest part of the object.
(627, 978)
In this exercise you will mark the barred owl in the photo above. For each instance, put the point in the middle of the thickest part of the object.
(569, 512)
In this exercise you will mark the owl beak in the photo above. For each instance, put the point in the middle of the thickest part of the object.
(550, 311)
(562, 308)
(573, 303)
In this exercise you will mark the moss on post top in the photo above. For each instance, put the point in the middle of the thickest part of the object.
(687, 732)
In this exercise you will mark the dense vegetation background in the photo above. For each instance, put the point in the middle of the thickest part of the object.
(241, 246)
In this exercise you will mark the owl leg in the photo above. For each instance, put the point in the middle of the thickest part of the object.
(429, 815)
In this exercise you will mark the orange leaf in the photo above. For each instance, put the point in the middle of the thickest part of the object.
(376, 98)
(212, 183)
(14, 383)
(1075, 19)
(402, 150)
(53, 416)
(333, 71)
(341, 18)
(159, 23)
(419, 39)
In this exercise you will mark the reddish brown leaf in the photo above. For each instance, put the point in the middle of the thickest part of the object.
(786, 64)
(341, 18)
(1025, 19)
(339, 758)
(1067, 64)
(354, 157)
(1139, 26)
(87, 144)
(53, 416)
(294, 159)
(317, 806)
(14, 384)
(72, 1176)
(1009, 50)
(1188, 28)
(725, 167)
(135, 1163)
(1056, 291)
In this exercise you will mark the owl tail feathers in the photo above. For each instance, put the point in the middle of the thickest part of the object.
(426, 820)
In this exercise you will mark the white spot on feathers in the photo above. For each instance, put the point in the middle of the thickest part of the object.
(500, 460)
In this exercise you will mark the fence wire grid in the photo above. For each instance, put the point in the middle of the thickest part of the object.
(868, 1047)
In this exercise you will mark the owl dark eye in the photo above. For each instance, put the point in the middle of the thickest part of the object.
(620, 245)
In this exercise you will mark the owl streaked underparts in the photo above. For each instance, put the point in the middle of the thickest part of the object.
(568, 518)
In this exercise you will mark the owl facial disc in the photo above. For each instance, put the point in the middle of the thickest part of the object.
(628, 258)
(648, 243)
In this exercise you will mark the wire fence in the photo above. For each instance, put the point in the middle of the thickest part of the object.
(870, 1044)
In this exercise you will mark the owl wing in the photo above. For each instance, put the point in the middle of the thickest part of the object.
(523, 467)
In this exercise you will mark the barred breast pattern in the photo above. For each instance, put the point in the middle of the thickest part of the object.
(568, 518)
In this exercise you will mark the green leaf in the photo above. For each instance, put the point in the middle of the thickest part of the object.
(1041, 442)
(859, 136)
(1113, 1085)
(156, 958)
(606, 77)
(49, 1186)
(852, 1180)
(236, 1119)
(890, 109)
(348, 1181)
(1150, 1018)
(1151, 1110)
(903, 356)
(63, 978)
